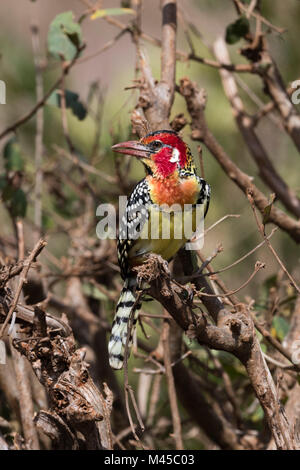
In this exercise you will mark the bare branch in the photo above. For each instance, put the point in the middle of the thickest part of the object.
(266, 169)
(196, 101)
(26, 265)
(171, 388)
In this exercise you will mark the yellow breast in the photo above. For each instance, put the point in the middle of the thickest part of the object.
(164, 233)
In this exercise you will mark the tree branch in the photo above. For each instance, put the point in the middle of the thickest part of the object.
(196, 101)
(258, 152)
(234, 332)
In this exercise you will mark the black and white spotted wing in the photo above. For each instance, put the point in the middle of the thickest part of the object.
(136, 214)
(204, 195)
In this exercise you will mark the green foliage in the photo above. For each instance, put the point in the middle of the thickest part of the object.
(72, 102)
(15, 198)
(281, 327)
(11, 193)
(64, 37)
(18, 203)
(237, 30)
(13, 160)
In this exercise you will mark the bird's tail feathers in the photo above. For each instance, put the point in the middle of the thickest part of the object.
(118, 338)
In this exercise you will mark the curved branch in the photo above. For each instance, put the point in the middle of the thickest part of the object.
(258, 152)
(196, 101)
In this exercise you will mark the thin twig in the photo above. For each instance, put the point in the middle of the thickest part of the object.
(262, 231)
(243, 257)
(258, 266)
(38, 159)
(85, 166)
(41, 103)
(267, 171)
(279, 364)
(260, 17)
(154, 399)
(196, 100)
(273, 341)
(171, 388)
(27, 263)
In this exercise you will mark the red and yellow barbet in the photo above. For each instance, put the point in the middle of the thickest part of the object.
(171, 180)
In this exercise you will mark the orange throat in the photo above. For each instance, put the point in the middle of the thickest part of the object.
(173, 190)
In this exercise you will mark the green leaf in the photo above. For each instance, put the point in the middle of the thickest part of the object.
(281, 327)
(13, 156)
(112, 12)
(3, 181)
(235, 31)
(64, 37)
(72, 102)
(267, 209)
(18, 203)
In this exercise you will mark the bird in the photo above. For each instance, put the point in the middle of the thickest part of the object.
(171, 181)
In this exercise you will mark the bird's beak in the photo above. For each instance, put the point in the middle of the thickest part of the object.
(132, 147)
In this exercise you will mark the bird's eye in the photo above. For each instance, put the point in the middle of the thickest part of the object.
(156, 144)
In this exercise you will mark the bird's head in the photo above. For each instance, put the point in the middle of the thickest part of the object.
(163, 153)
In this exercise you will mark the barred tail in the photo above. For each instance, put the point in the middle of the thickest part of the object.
(117, 341)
